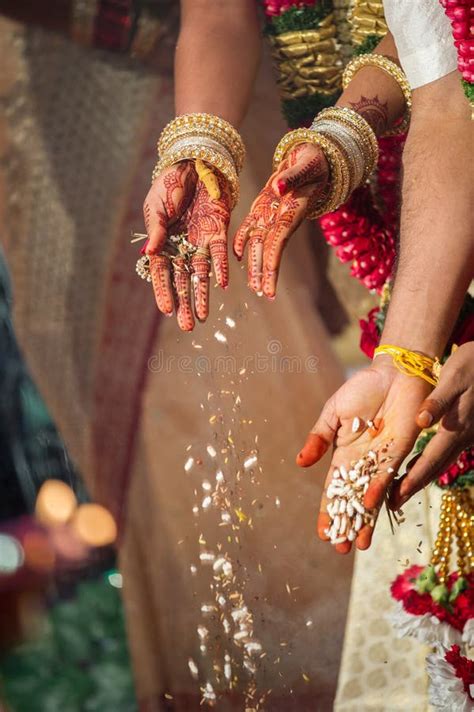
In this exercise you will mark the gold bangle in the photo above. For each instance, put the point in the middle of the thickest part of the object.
(204, 135)
(215, 159)
(389, 67)
(209, 125)
(339, 171)
(358, 123)
(412, 363)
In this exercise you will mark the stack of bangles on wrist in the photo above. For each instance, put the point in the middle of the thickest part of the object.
(205, 137)
(350, 147)
(346, 139)
(213, 145)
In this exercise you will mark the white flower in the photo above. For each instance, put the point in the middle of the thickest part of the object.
(468, 633)
(426, 628)
(446, 691)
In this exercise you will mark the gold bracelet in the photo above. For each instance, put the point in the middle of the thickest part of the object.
(386, 64)
(205, 125)
(412, 363)
(363, 133)
(339, 170)
(209, 155)
(356, 122)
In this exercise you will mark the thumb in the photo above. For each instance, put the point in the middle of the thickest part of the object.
(438, 404)
(320, 437)
(307, 166)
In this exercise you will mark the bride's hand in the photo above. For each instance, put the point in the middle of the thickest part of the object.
(374, 409)
(178, 202)
(287, 198)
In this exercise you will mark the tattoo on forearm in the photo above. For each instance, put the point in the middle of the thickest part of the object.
(373, 111)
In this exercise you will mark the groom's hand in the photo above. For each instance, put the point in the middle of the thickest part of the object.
(451, 404)
(375, 409)
(288, 197)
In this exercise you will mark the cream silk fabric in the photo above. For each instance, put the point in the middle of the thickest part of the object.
(424, 39)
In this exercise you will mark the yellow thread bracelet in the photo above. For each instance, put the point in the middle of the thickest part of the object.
(412, 363)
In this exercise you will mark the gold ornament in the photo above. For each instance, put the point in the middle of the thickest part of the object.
(308, 61)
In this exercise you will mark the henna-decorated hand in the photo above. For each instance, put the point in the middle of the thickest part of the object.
(178, 202)
(287, 198)
(451, 404)
(390, 400)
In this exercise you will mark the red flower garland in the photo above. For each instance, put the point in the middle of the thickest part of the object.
(369, 333)
(366, 234)
(463, 667)
(456, 613)
(461, 15)
(276, 7)
(463, 465)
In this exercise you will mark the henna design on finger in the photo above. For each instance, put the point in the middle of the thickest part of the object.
(315, 171)
(290, 216)
(218, 250)
(242, 236)
(160, 270)
(183, 294)
(200, 282)
(179, 184)
(255, 257)
(146, 215)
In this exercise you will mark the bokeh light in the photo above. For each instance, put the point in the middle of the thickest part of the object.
(94, 525)
(55, 503)
(115, 579)
(11, 554)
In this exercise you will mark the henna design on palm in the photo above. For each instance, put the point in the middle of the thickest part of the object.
(276, 213)
(180, 203)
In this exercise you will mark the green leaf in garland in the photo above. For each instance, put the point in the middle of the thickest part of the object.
(301, 111)
(299, 18)
(368, 45)
(440, 594)
(427, 580)
(468, 90)
(459, 586)
(423, 440)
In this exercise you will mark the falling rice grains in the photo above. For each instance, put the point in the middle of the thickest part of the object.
(219, 336)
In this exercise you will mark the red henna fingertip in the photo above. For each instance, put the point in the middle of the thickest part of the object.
(313, 450)
(281, 185)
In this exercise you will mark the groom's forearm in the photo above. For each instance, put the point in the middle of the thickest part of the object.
(217, 57)
(374, 94)
(436, 254)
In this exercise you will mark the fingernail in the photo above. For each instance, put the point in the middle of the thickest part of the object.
(425, 418)
(281, 185)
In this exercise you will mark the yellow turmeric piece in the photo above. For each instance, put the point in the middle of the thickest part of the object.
(209, 179)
